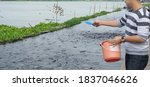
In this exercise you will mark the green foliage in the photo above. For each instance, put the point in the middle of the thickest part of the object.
(118, 9)
(75, 21)
(146, 4)
(72, 22)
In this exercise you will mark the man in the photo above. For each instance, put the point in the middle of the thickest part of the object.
(137, 25)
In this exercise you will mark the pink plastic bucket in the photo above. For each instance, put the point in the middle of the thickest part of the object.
(111, 53)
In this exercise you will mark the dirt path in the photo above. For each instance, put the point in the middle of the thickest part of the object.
(72, 48)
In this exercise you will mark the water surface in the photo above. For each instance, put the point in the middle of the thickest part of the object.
(71, 48)
(25, 13)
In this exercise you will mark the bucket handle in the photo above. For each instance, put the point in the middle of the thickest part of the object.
(103, 46)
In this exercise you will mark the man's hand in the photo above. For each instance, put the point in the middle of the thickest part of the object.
(112, 23)
(97, 23)
(115, 41)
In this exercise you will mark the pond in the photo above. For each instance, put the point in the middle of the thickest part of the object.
(30, 13)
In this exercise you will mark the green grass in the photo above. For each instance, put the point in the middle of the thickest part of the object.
(75, 21)
(11, 34)
(146, 4)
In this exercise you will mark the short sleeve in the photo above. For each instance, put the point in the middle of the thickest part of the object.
(143, 28)
(122, 21)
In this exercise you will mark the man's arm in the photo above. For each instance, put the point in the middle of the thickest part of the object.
(134, 39)
(142, 36)
(143, 29)
(112, 23)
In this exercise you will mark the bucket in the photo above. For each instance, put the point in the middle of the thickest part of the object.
(111, 53)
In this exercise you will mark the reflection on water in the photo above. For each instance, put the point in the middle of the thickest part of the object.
(32, 12)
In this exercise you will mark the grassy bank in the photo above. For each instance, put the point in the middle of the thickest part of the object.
(11, 34)
(146, 4)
